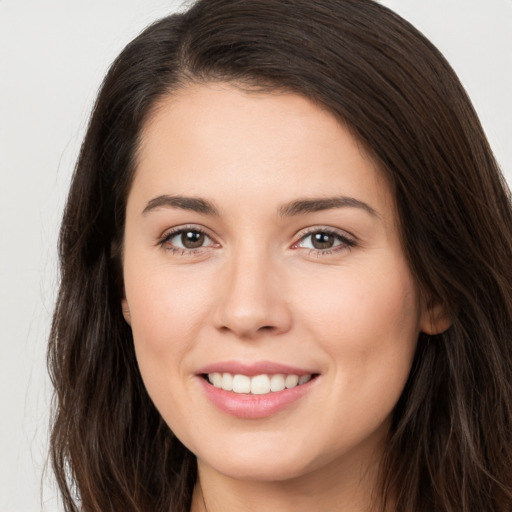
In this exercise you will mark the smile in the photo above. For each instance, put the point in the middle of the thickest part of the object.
(258, 384)
(257, 390)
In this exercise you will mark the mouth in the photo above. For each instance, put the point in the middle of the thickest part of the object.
(256, 390)
(263, 384)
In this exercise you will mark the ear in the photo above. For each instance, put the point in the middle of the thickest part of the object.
(435, 318)
(126, 311)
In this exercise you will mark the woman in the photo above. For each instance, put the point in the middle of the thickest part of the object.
(286, 275)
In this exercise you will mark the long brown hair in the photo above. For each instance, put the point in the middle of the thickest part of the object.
(450, 445)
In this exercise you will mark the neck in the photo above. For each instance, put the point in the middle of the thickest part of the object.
(340, 489)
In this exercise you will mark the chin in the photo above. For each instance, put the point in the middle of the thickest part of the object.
(260, 460)
(269, 470)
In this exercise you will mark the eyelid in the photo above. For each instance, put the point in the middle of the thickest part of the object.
(348, 239)
(169, 233)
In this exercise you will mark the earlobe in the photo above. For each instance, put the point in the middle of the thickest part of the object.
(126, 311)
(435, 318)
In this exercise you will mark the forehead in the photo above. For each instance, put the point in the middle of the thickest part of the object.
(219, 140)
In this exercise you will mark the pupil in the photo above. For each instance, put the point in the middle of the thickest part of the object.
(322, 240)
(192, 239)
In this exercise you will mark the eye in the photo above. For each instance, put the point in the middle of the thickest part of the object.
(186, 239)
(324, 241)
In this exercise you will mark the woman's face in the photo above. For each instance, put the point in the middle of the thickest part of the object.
(262, 247)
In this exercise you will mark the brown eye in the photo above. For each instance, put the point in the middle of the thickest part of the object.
(187, 239)
(192, 239)
(322, 240)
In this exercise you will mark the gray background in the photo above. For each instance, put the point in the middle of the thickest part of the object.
(53, 55)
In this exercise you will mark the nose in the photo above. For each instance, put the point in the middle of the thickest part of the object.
(252, 298)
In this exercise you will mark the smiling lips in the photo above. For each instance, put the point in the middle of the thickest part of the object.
(255, 391)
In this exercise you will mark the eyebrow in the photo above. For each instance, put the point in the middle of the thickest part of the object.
(298, 207)
(194, 204)
(303, 206)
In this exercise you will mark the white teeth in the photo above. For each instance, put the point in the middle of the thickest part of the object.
(277, 382)
(303, 379)
(260, 385)
(291, 381)
(216, 379)
(257, 385)
(227, 381)
(241, 384)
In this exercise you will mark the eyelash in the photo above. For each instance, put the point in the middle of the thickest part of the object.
(345, 242)
(164, 242)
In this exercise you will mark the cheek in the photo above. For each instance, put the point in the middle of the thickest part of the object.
(168, 309)
(371, 303)
(368, 324)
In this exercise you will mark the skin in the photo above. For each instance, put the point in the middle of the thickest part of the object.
(258, 289)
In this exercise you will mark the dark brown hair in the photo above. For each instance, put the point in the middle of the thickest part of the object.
(450, 445)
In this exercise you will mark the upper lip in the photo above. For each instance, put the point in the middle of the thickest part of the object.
(254, 368)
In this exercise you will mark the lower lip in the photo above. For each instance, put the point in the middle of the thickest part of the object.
(248, 406)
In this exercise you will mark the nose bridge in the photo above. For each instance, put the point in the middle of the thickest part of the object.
(252, 298)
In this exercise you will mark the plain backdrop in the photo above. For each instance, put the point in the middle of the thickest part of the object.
(53, 56)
